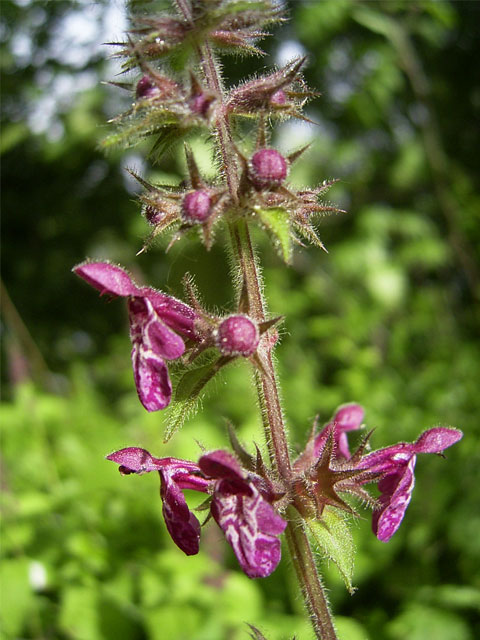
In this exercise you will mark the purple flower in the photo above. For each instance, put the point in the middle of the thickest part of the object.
(241, 504)
(175, 475)
(268, 168)
(241, 507)
(348, 417)
(396, 464)
(197, 206)
(155, 322)
(146, 89)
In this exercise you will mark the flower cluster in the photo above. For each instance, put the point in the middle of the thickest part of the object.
(244, 501)
(241, 504)
(326, 470)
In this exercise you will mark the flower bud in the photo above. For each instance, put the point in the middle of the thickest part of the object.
(200, 103)
(278, 98)
(237, 336)
(146, 89)
(268, 168)
(196, 206)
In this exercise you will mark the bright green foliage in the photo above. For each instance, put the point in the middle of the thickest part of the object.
(277, 221)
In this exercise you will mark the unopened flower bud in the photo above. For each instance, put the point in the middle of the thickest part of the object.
(268, 168)
(146, 89)
(196, 206)
(200, 103)
(278, 98)
(237, 336)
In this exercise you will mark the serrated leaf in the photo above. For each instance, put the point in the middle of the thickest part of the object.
(177, 414)
(193, 381)
(332, 536)
(277, 221)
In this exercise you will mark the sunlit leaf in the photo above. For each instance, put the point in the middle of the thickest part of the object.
(331, 535)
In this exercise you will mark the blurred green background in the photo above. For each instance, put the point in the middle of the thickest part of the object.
(389, 318)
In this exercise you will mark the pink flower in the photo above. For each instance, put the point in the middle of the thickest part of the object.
(156, 319)
(348, 417)
(175, 475)
(241, 504)
(396, 464)
(242, 509)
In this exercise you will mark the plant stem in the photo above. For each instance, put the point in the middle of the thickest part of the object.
(275, 433)
(266, 382)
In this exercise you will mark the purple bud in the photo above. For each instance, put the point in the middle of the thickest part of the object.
(268, 168)
(146, 89)
(237, 336)
(278, 98)
(196, 206)
(200, 103)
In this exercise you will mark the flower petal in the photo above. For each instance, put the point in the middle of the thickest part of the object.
(388, 459)
(182, 525)
(221, 464)
(349, 416)
(437, 439)
(177, 315)
(151, 378)
(346, 418)
(135, 460)
(107, 278)
(163, 341)
(396, 493)
(250, 525)
(146, 327)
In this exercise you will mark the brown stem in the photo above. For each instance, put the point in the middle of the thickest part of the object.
(266, 382)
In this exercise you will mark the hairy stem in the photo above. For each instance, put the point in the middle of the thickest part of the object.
(272, 417)
(266, 380)
(308, 577)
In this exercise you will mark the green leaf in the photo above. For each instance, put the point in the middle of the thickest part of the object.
(277, 221)
(188, 394)
(17, 596)
(332, 536)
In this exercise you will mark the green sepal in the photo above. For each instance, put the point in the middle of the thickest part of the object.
(277, 221)
(331, 534)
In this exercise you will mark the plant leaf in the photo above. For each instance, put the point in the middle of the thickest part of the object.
(332, 536)
(277, 221)
(188, 394)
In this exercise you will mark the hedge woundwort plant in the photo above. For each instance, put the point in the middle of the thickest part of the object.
(178, 90)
